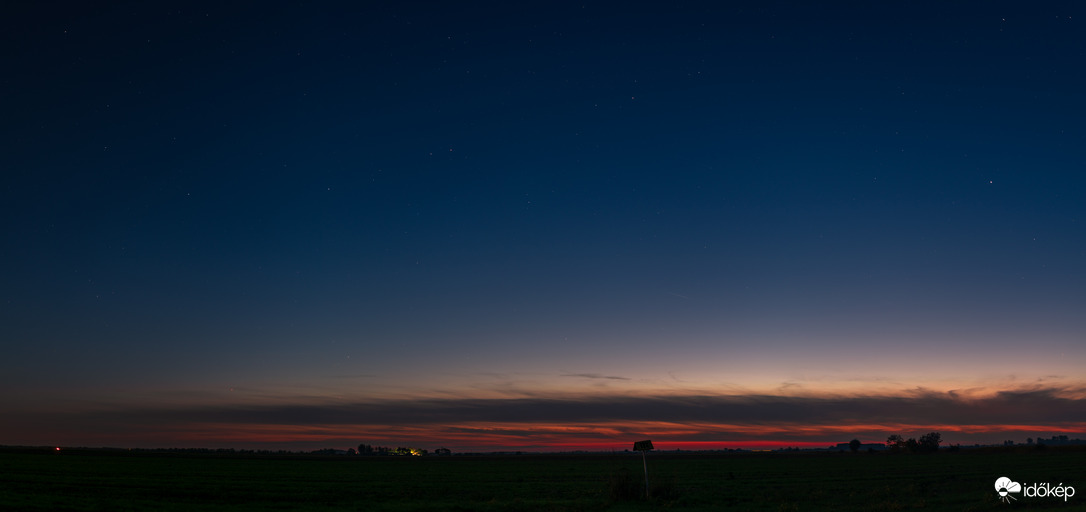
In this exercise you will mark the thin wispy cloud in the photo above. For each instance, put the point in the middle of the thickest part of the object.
(595, 376)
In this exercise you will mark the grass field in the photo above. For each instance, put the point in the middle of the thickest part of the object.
(120, 481)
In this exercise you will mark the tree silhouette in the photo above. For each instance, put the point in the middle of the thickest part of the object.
(854, 445)
(929, 442)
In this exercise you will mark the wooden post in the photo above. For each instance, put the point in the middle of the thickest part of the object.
(644, 446)
(643, 461)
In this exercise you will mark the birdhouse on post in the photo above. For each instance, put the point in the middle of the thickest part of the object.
(644, 446)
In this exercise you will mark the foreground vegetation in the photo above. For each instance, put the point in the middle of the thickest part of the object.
(120, 481)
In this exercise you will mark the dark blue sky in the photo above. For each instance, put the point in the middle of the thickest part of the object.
(309, 201)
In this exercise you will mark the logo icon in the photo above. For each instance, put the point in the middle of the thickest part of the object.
(1004, 486)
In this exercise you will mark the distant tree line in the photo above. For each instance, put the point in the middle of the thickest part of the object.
(1055, 440)
(365, 449)
(927, 443)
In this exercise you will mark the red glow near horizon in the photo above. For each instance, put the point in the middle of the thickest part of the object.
(610, 436)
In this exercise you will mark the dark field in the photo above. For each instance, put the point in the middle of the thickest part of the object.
(118, 481)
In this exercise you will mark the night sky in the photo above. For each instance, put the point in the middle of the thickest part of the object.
(541, 226)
